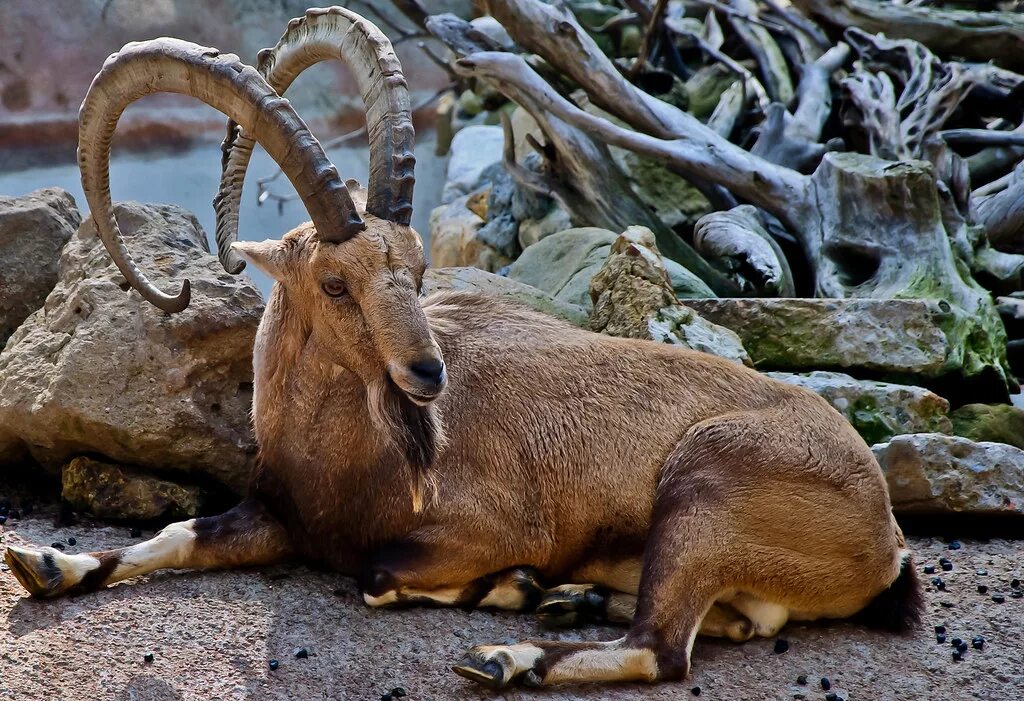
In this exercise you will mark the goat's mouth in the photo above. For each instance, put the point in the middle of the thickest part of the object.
(418, 389)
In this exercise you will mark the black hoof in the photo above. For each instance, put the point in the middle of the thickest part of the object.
(489, 673)
(573, 608)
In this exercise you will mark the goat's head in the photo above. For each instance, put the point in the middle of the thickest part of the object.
(354, 275)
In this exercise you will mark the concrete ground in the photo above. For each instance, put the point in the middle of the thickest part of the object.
(213, 634)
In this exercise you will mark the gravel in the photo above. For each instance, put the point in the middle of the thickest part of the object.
(212, 635)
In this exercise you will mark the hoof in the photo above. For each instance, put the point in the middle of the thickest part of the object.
(572, 607)
(489, 673)
(36, 570)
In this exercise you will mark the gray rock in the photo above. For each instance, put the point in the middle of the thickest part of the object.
(476, 280)
(932, 473)
(474, 149)
(100, 371)
(633, 298)
(551, 222)
(455, 235)
(33, 229)
(564, 263)
(113, 491)
(878, 410)
(891, 336)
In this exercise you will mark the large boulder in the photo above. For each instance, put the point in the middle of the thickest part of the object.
(897, 338)
(114, 491)
(33, 229)
(563, 265)
(476, 280)
(878, 410)
(474, 149)
(633, 298)
(99, 371)
(997, 423)
(931, 473)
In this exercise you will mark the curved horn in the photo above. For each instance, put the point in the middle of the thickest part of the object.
(333, 33)
(237, 90)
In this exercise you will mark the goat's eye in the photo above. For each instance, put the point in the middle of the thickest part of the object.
(333, 288)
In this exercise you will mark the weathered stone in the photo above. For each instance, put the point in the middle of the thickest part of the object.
(878, 410)
(33, 229)
(100, 371)
(931, 473)
(476, 280)
(996, 423)
(117, 492)
(633, 298)
(554, 220)
(893, 336)
(454, 236)
(474, 149)
(563, 264)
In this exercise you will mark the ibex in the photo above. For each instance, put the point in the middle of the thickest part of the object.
(460, 450)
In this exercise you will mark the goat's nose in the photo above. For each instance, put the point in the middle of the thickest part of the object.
(428, 371)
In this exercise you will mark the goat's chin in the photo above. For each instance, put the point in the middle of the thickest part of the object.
(419, 399)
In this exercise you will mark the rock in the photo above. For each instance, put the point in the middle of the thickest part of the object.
(100, 371)
(895, 336)
(996, 423)
(476, 280)
(33, 229)
(931, 473)
(878, 410)
(117, 492)
(554, 220)
(563, 265)
(474, 149)
(454, 235)
(633, 298)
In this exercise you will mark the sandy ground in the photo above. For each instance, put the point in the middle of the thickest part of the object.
(212, 635)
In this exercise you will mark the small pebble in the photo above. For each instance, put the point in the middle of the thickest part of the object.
(802, 680)
(982, 589)
(945, 564)
(135, 533)
(1015, 584)
(981, 573)
(998, 598)
(978, 642)
(940, 638)
(72, 541)
(398, 692)
(58, 546)
(148, 657)
(781, 645)
(825, 683)
(695, 691)
(301, 653)
(955, 545)
(274, 664)
(929, 569)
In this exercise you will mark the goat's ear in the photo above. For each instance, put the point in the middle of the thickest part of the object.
(269, 256)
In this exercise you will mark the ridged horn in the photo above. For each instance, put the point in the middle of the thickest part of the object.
(237, 90)
(333, 33)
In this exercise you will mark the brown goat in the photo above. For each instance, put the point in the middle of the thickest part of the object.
(465, 451)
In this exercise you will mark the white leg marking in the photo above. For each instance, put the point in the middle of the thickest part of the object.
(767, 617)
(171, 547)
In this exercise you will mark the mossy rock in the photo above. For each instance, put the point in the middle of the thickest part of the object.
(997, 423)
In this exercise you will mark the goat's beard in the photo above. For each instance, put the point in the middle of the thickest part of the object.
(413, 432)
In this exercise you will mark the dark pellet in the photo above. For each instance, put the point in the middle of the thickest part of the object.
(399, 693)
(981, 573)
(72, 541)
(58, 546)
(274, 664)
(802, 680)
(945, 564)
(1016, 593)
(301, 653)
(695, 691)
(940, 638)
(825, 683)
(148, 657)
(946, 604)
(940, 629)
(955, 545)
(939, 584)
(1015, 584)
(998, 598)
(781, 646)
(957, 655)
(982, 589)
(929, 569)
(978, 642)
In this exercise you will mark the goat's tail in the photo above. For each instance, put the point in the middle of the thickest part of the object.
(900, 607)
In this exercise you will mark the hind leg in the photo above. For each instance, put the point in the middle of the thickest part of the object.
(244, 536)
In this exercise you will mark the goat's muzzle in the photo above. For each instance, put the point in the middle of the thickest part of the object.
(422, 380)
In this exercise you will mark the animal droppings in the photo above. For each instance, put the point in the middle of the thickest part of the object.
(929, 569)
(957, 656)
(940, 629)
(833, 696)
(387, 697)
(1016, 594)
(802, 680)
(945, 564)
(72, 541)
(978, 642)
(57, 545)
(982, 589)
(695, 691)
(981, 573)
(998, 598)
(946, 604)
(956, 642)
(940, 638)
(148, 658)
(1015, 584)
(274, 664)
(955, 545)
(398, 692)
(825, 683)
(781, 645)
(938, 583)
(301, 653)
